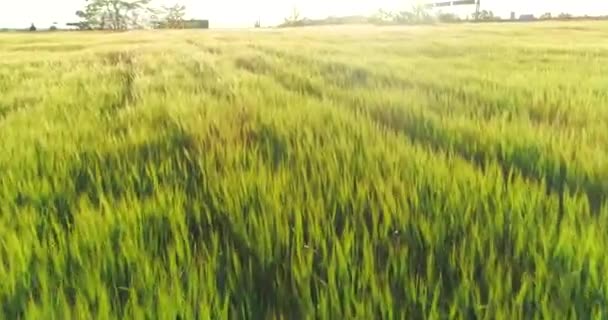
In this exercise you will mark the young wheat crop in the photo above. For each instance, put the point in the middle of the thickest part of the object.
(352, 173)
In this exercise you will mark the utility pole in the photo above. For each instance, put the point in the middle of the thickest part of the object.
(478, 5)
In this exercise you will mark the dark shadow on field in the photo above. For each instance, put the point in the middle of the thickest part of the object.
(18, 105)
(288, 80)
(336, 73)
(528, 160)
(352, 77)
(253, 63)
(105, 177)
(262, 291)
(214, 50)
(135, 173)
(346, 76)
(209, 80)
(127, 96)
(264, 286)
(113, 173)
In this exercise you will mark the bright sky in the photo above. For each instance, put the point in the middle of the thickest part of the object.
(243, 13)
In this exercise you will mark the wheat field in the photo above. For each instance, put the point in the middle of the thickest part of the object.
(435, 172)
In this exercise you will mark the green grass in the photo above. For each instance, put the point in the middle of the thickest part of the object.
(352, 173)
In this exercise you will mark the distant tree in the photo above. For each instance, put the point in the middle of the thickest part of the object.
(33, 28)
(546, 16)
(486, 15)
(90, 17)
(475, 15)
(447, 17)
(565, 15)
(406, 17)
(294, 19)
(383, 16)
(387, 15)
(53, 28)
(174, 16)
(420, 11)
(113, 14)
(295, 14)
(418, 14)
(257, 24)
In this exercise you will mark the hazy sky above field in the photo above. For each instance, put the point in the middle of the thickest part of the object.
(243, 13)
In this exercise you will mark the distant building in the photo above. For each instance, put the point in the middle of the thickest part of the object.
(196, 24)
(527, 17)
(512, 15)
(186, 24)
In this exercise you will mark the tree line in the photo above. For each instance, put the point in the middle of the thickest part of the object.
(129, 14)
(135, 14)
(419, 13)
(119, 15)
